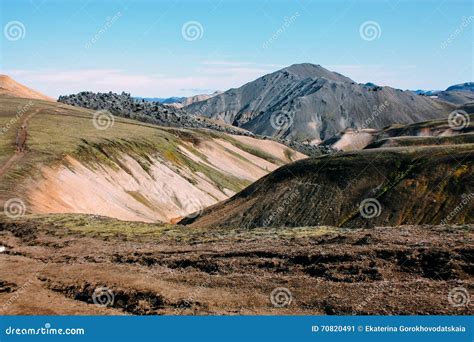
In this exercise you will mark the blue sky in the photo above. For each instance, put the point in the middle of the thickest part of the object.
(143, 47)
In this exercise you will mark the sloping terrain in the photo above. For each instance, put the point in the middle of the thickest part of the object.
(457, 94)
(81, 161)
(306, 101)
(467, 86)
(456, 97)
(124, 105)
(386, 186)
(10, 87)
(186, 101)
(62, 261)
(432, 132)
(153, 112)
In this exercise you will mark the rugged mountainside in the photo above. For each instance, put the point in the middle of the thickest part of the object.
(458, 130)
(457, 94)
(10, 87)
(186, 101)
(384, 187)
(306, 101)
(468, 86)
(123, 105)
(81, 161)
(457, 97)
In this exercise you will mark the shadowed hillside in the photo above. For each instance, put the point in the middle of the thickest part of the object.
(421, 185)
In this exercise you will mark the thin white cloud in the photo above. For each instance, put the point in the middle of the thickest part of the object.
(60, 82)
(209, 74)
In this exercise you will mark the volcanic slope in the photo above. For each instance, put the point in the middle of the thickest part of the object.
(9, 86)
(384, 187)
(81, 161)
(309, 102)
(432, 132)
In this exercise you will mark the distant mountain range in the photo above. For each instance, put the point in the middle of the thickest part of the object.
(458, 94)
(468, 86)
(407, 174)
(178, 102)
(309, 102)
(162, 100)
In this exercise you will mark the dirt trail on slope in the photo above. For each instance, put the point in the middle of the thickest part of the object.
(18, 155)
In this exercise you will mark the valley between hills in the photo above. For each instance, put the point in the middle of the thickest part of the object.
(301, 192)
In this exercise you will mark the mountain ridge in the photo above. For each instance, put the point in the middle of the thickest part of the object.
(309, 102)
(9, 86)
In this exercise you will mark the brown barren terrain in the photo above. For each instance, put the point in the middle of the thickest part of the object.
(52, 265)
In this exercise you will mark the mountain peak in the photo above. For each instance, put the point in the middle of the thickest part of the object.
(308, 70)
(467, 86)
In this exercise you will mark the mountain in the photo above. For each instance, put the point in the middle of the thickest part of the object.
(455, 97)
(196, 98)
(163, 100)
(432, 132)
(426, 92)
(309, 102)
(186, 101)
(372, 187)
(468, 86)
(457, 94)
(124, 105)
(176, 101)
(10, 87)
(84, 161)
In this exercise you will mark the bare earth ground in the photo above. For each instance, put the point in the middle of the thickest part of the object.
(53, 264)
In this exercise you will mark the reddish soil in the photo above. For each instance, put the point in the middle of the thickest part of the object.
(47, 268)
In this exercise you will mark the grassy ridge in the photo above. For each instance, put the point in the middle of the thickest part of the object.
(56, 130)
